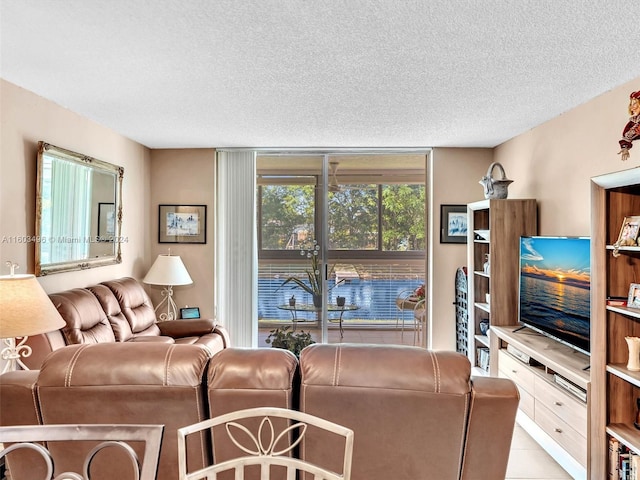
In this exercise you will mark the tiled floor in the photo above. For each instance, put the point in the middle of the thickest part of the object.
(529, 461)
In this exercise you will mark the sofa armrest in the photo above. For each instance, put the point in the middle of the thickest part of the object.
(187, 328)
(492, 416)
(41, 346)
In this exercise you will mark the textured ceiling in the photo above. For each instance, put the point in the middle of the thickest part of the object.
(319, 73)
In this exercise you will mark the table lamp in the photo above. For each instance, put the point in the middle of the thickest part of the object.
(25, 309)
(168, 270)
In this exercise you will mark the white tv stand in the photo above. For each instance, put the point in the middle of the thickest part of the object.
(554, 393)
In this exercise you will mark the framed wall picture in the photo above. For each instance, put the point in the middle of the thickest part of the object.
(453, 224)
(182, 224)
(106, 222)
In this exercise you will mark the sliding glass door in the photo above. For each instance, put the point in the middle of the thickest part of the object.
(348, 229)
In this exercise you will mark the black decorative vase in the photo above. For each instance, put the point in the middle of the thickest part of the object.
(340, 301)
(317, 300)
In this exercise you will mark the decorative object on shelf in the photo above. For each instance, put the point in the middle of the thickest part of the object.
(419, 293)
(453, 223)
(637, 422)
(314, 275)
(631, 130)
(486, 267)
(286, 338)
(494, 187)
(340, 301)
(169, 271)
(25, 309)
(633, 301)
(633, 343)
(483, 234)
(292, 301)
(484, 326)
(182, 224)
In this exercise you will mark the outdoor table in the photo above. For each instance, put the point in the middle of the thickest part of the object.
(308, 307)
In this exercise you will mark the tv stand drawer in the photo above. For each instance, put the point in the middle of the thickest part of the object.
(517, 371)
(562, 404)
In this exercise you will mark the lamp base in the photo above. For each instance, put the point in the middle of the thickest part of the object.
(171, 313)
(13, 352)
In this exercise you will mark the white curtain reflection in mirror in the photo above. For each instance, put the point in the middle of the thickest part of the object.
(68, 226)
(78, 211)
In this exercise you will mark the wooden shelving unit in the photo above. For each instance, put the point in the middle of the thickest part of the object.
(506, 220)
(614, 388)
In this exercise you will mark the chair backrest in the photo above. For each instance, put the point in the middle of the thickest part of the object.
(109, 436)
(264, 446)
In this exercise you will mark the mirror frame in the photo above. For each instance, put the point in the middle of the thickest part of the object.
(77, 264)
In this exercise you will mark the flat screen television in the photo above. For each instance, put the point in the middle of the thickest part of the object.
(555, 279)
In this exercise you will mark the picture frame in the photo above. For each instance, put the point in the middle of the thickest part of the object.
(106, 222)
(629, 231)
(182, 224)
(453, 223)
(190, 312)
(633, 301)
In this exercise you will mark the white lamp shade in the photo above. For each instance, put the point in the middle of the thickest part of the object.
(168, 270)
(25, 308)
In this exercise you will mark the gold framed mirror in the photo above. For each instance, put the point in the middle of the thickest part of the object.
(78, 211)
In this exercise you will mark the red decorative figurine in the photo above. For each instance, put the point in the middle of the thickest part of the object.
(631, 130)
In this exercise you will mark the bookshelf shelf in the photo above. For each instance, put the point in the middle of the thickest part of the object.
(506, 220)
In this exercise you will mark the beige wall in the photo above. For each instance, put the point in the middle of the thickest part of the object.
(455, 173)
(185, 177)
(554, 161)
(25, 119)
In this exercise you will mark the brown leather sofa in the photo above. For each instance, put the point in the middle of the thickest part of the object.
(119, 311)
(416, 414)
(139, 383)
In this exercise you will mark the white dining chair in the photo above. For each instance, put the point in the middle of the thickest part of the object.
(266, 448)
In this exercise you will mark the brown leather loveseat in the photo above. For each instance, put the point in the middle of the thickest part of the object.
(416, 414)
(119, 311)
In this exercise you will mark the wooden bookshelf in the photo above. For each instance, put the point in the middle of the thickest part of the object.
(615, 389)
(506, 220)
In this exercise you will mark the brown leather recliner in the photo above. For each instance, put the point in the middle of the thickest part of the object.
(140, 383)
(119, 311)
(415, 413)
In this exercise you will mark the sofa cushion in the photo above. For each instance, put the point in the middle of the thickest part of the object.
(110, 305)
(135, 305)
(85, 318)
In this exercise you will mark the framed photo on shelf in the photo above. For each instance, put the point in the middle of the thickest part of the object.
(182, 224)
(453, 223)
(634, 296)
(629, 232)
